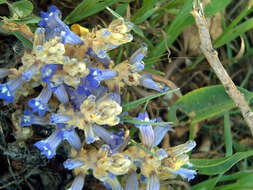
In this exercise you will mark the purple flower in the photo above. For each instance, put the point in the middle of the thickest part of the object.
(147, 133)
(185, 173)
(39, 104)
(132, 182)
(71, 164)
(54, 26)
(48, 146)
(7, 90)
(29, 118)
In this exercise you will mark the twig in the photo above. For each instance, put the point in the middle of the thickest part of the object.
(212, 57)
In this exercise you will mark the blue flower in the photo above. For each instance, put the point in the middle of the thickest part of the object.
(29, 119)
(77, 183)
(147, 81)
(54, 26)
(160, 132)
(132, 182)
(161, 153)
(112, 182)
(113, 139)
(90, 136)
(136, 59)
(71, 164)
(147, 133)
(185, 173)
(7, 90)
(61, 93)
(76, 99)
(48, 71)
(105, 60)
(93, 79)
(28, 73)
(60, 118)
(48, 146)
(73, 139)
(115, 97)
(153, 182)
(39, 104)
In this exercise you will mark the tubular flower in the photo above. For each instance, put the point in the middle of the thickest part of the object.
(54, 26)
(7, 90)
(76, 69)
(40, 103)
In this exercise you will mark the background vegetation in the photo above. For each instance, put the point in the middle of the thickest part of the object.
(200, 110)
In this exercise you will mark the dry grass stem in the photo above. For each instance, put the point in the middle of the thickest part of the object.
(212, 57)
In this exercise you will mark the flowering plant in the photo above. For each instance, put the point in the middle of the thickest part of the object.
(81, 88)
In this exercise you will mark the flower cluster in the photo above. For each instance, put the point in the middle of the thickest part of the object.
(80, 88)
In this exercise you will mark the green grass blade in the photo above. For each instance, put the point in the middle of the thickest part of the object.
(184, 19)
(24, 40)
(228, 135)
(219, 165)
(144, 12)
(234, 33)
(135, 103)
(207, 183)
(87, 8)
(134, 121)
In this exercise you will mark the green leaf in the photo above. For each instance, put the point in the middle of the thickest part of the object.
(219, 165)
(228, 135)
(205, 103)
(2, 1)
(207, 183)
(184, 19)
(144, 12)
(28, 20)
(24, 40)
(21, 8)
(234, 33)
(87, 8)
(135, 103)
(242, 183)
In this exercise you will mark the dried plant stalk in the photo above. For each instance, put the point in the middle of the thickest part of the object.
(212, 57)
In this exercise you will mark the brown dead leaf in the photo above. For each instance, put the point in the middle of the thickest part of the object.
(21, 28)
(247, 142)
